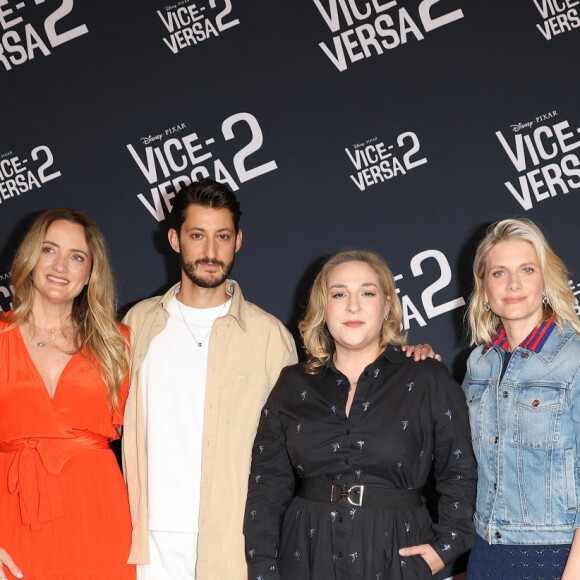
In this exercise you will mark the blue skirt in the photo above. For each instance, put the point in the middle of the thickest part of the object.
(516, 562)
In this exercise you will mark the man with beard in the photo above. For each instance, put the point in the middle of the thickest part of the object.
(203, 361)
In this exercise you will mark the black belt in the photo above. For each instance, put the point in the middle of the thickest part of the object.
(367, 495)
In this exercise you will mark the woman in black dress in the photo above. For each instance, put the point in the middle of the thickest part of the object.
(346, 442)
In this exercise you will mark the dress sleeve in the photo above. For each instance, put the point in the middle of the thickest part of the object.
(455, 468)
(270, 489)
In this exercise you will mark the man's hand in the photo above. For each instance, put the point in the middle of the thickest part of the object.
(421, 352)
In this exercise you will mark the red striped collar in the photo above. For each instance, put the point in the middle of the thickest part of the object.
(534, 342)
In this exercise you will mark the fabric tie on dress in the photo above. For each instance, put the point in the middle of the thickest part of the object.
(31, 474)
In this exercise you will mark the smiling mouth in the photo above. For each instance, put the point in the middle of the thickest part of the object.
(59, 280)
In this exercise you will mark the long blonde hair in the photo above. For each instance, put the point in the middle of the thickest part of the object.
(317, 340)
(94, 309)
(483, 323)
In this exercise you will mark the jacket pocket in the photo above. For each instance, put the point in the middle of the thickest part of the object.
(537, 415)
(570, 476)
(476, 393)
(242, 395)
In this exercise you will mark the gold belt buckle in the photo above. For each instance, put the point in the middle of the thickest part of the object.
(343, 493)
(346, 493)
(361, 491)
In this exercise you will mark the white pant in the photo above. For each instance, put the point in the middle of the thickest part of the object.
(173, 556)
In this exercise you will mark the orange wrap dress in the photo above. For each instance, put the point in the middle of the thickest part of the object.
(64, 512)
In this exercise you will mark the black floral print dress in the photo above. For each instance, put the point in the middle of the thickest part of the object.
(406, 417)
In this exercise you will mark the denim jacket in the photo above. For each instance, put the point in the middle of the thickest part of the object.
(525, 431)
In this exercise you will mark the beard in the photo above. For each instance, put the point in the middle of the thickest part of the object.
(207, 280)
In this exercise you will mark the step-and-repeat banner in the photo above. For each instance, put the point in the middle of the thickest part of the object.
(401, 126)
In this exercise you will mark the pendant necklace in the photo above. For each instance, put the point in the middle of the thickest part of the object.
(53, 337)
(41, 343)
(198, 342)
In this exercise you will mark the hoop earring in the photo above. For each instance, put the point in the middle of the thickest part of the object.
(545, 300)
(487, 307)
(386, 318)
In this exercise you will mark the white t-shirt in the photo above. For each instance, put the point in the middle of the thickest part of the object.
(174, 377)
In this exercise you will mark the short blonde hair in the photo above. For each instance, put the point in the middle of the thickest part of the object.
(317, 340)
(94, 309)
(483, 324)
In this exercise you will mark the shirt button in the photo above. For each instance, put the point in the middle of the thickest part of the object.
(497, 535)
(495, 486)
(272, 568)
(505, 394)
(525, 355)
(340, 519)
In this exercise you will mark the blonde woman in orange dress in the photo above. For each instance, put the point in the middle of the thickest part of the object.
(64, 512)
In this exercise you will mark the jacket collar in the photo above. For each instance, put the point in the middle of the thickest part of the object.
(542, 341)
(553, 346)
(237, 309)
(534, 342)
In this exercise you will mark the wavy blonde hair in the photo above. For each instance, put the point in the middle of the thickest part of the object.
(94, 309)
(317, 340)
(483, 324)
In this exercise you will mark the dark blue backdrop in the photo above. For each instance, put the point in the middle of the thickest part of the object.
(401, 126)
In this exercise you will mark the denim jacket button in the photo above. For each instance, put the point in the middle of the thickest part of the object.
(505, 394)
(497, 535)
(495, 486)
(525, 355)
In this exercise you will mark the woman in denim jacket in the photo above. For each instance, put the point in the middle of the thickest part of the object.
(523, 392)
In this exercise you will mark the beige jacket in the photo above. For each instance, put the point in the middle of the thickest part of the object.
(247, 350)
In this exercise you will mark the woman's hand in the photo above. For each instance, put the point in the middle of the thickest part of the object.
(427, 553)
(421, 352)
(6, 560)
(572, 569)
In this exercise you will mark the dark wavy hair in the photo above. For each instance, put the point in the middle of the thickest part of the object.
(207, 193)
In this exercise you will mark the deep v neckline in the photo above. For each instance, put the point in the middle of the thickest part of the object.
(56, 385)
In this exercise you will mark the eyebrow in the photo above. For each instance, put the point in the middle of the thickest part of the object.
(519, 266)
(200, 229)
(72, 249)
(363, 285)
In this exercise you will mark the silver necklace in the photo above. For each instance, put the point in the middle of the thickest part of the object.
(198, 342)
